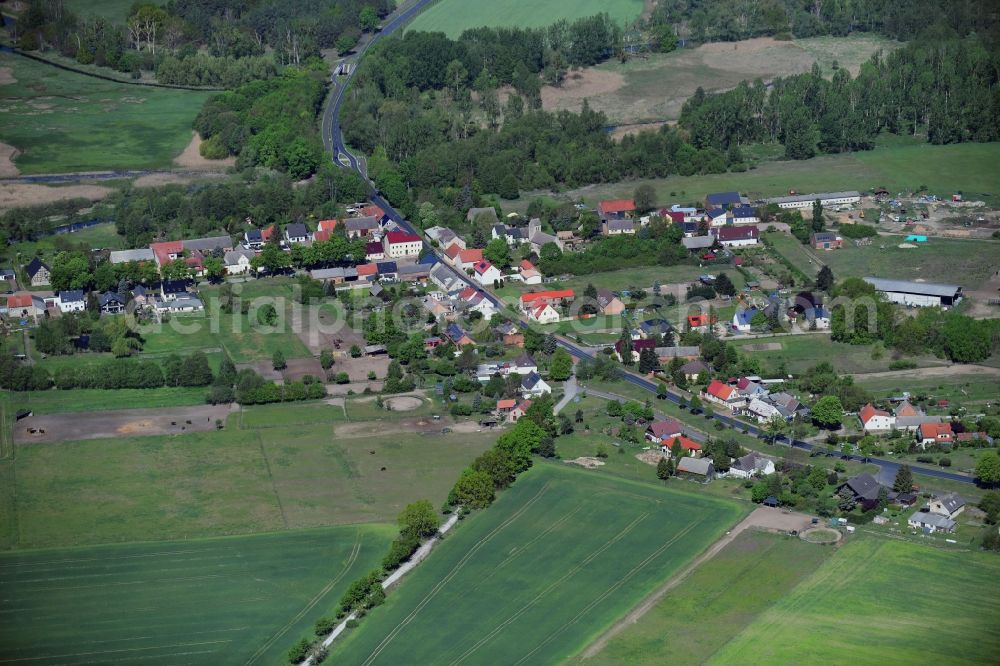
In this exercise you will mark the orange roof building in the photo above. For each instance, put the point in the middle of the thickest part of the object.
(535, 297)
(616, 207)
(719, 392)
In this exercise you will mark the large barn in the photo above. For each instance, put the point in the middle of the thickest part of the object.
(919, 294)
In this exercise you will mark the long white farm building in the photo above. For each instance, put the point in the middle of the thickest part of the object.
(920, 294)
(826, 198)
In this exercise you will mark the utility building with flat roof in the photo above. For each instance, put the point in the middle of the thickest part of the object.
(807, 200)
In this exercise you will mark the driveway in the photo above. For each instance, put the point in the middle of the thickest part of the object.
(571, 388)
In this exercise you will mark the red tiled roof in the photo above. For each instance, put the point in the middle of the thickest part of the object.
(686, 443)
(482, 266)
(372, 210)
(367, 269)
(328, 225)
(506, 404)
(616, 206)
(322, 235)
(738, 233)
(719, 390)
(700, 320)
(935, 430)
(540, 309)
(868, 411)
(546, 295)
(268, 234)
(395, 237)
(452, 251)
(527, 265)
(523, 407)
(162, 251)
(470, 256)
(19, 301)
(661, 429)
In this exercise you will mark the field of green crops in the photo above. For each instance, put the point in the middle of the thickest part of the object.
(558, 558)
(217, 601)
(881, 602)
(455, 16)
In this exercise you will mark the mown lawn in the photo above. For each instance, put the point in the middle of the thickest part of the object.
(560, 556)
(801, 352)
(68, 122)
(719, 599)
(234, 600)
(880, 602)
(455, 16)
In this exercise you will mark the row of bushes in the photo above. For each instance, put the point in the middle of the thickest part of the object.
(118, 373)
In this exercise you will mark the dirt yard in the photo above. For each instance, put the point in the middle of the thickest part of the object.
(300, 367)
(13, 195)
(120, 423)
(404, 403)
(585, 461)
(191, 157)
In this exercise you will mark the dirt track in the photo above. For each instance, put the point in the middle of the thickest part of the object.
(119, 423)
(762, 518)
(938, 371)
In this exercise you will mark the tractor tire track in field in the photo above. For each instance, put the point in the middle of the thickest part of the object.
(451, 574)
(624, 579)
(554, 584)
(312, 602)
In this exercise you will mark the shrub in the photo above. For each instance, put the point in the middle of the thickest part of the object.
(944, 462)
(299, 652)
(324, 625)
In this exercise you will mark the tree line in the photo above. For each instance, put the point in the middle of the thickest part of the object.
(939, 85)
(732, 20)
(194, 42)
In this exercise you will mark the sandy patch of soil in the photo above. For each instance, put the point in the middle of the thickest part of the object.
(192, 159)
(589, 463)
(763, 346)
(580, 85)
(403, 403)
(7, 76)
(7, 167)
(127, 422)
(651, 457)
(14, 195)
(906, 246)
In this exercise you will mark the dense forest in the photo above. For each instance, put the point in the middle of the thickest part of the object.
(429, 111)
(202, 42)
(942, 86)
(731, 20)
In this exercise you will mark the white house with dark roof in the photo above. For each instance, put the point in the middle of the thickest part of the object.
(71, 301)
(931, 522)
(949, 505)
(750, 465)
(533, 386)
(238, 261)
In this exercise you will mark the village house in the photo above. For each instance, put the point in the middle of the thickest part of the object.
(742, 320)
(444, 237)
(367, 272)
(358, 227)
(689, 447)
(931, 522)
(255, 239)
(533, 299)
(238, 261)
(543, 314)
(667, 354)
(701, 322)
(111, 303)
(374, 251)
(486, 273)
(722, 394)
(505, 407)
(738, 236)
(463, 259)
(696, 467)
(929, 434)
(388, 271)
(71, 301)
(658, 431)
(38, 273)
(172, 289)
(532, 385)
(865, 489)
(751, 465)
(528, 273)
(458, 336)
(818, 317)
(654, 328)
(181, 304)
(609, 303)
(444, 277)
(717, 217)
(519, 411)
(725, 200)
(826, 240)
(616, 208)
(743, 215)
(693, 371)
(166, 252)
(402, 244)
(617, 227)
(24, 305)
(762, 411)
(473, 300)
(950, 505)
(876, 420)
(215, 245)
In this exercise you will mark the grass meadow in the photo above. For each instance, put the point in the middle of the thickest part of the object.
(241, 600)
(878, 602)
(801, 352)
(560, 556)
(965, 167)
(92, 400)
(453, 17)
(311, 472)
(68, 122)
(717, 601)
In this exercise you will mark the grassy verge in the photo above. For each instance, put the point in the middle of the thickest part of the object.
(455, 16)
